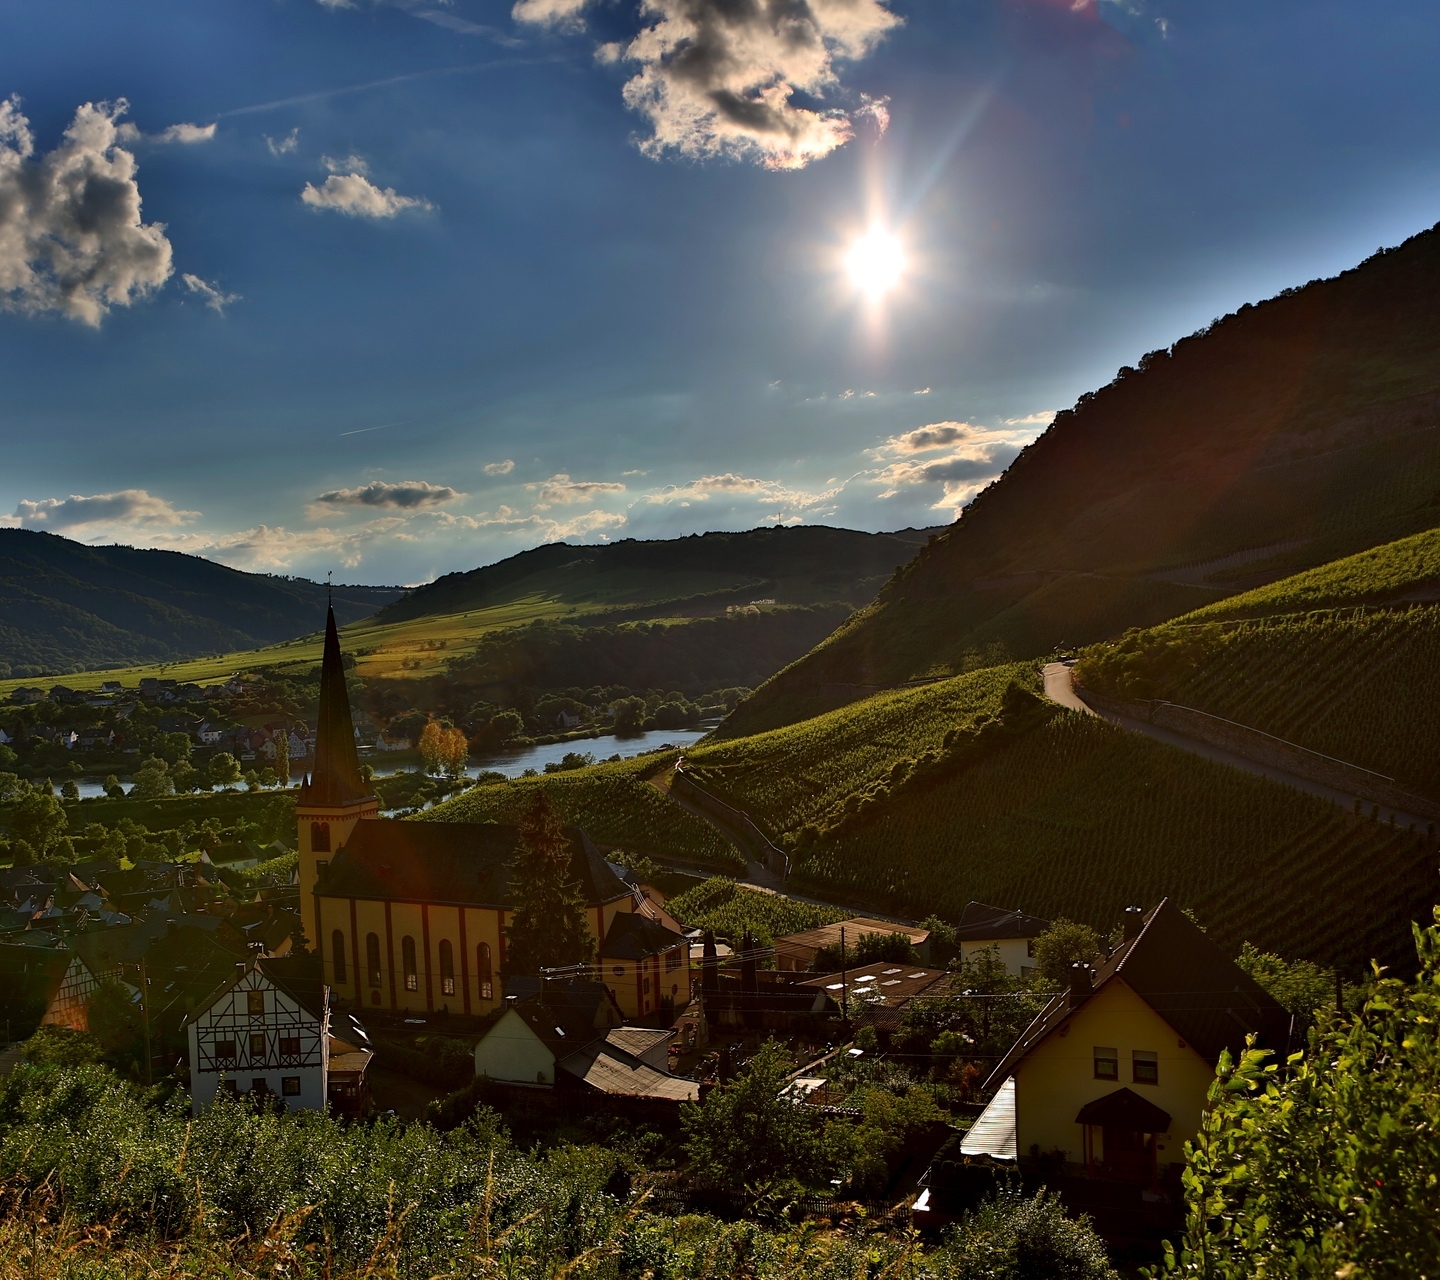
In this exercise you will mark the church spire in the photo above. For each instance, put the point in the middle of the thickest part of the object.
(336, 779)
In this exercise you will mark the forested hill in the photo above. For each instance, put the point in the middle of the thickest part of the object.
(701, 573)
(67, 607)
(1281, 437)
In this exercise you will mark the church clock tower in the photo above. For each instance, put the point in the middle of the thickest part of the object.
(334, 797)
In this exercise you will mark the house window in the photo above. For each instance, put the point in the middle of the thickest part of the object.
(407, 963)
(290, 1086)
(1107, 1064)
(225, 1050)
(672, 959)
(289, 1046)
(447, 968)
(1145, 1067)
(372, 958)
(337, 955)
(255, 1003)
(486, 970)
(1030, 948)
(320, 837)
(647, 986)
(257, 1045)
(619, 970)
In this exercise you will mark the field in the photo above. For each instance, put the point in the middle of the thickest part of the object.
(796, 775)
(1080, 819)
(1360, 685)
(729, 909)
(614, 803)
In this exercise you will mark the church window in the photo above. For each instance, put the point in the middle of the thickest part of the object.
(447, 968)
(486, 971)
(372, 958)
(337, 954)
(319, 837)
(407, 960)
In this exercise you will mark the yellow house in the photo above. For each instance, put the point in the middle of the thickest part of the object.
(1114, 1072)
(646, 965)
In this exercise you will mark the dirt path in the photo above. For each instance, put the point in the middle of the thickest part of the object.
(1059, 688)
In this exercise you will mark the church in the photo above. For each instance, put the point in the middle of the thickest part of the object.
(410, 916)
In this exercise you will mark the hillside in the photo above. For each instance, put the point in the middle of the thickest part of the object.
(1344, 660)
(1281, 437)
(973, 788)
(69, 607)
(700, 574)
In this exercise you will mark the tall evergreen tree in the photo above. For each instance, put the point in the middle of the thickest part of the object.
(549, 927)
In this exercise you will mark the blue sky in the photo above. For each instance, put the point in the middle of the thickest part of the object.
(412, 285)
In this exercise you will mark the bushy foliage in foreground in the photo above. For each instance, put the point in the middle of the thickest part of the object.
(1332, 1167)
(98, 1181)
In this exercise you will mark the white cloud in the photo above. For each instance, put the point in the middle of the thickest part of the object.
(71, 239)
(770, 493)
(960, 475)
(935, 435)
(719, 79)
(356, 196)
(276, 547)
(130, 508)
(560, 490)
(214, 298)
(283, 146)
(348, 164)
(1042, 419)
(186, 134)
(406, 495)
(501, 468)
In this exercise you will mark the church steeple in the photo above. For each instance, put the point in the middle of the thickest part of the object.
(335, 781)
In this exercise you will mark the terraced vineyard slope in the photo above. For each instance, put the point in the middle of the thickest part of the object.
(1281, 437)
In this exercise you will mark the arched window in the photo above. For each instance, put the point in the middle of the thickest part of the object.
(337, 955)
(447, 968)
(319, 837)
(407, 961)
(486, 972)
(372, 958)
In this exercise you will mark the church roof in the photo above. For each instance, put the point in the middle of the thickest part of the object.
(464, 863)
(635, 937)
(335, 780)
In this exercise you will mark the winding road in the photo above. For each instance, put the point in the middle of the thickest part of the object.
(1060, 688)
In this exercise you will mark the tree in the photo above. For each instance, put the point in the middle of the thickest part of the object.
(282, 758)
(549, 927)
(1011, 1238)
(1301, 986)
(1331, 1165)
(152, 780)
(979, 1023)
(39, 821)
(70, 790)
(454, 751)
(432, 747)
(112, 787)
(12, 787)
(185, 776)
(1063, 944)
(251, 780)
(629, 715)
(224, 770)
(745, 1137)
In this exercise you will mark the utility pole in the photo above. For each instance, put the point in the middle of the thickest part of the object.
(844, 981)
(145, 1018)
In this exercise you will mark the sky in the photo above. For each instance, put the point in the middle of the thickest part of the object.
(392, 288)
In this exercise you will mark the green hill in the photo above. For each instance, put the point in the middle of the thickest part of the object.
(69, 607)
(1344, 660)
(1281, 437)
(973, 788)
(696, 575)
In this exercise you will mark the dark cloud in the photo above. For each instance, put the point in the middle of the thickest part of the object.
(407, 495)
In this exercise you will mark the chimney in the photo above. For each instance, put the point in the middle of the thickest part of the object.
(511, 1001)
(1080, 979)
(1134, 918)
(241, 968)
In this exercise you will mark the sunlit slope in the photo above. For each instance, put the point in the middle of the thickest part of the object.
(1282, 437)
(614, 803)
(1344, 660)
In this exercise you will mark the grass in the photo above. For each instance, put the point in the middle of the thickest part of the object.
(614, 803)
(729, 909)
(1359, 685)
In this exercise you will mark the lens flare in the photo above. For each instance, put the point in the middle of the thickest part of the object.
(875, 263)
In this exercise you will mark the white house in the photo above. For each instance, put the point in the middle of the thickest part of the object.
(271, 1030)
(1012, 933)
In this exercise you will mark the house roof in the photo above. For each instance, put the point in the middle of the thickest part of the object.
(1125, 1109)
(456, 862)
(982, 923)
(335, 781)
(829, 935)
(610, 1070)
(636, 937)
(882, 982)
(568, 1015)
(637, 1040)
(993, 1133)
(1205, 996)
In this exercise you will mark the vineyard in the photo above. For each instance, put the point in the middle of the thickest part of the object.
(729, 909)
(789, 777)
(1409, 568)
(1079, 818)
(1355, 684)
(614, 804)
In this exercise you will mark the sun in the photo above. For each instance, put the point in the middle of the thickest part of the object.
(875, 263)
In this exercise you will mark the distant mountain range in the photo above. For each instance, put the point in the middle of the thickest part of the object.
(67, 607)
(1281, 437)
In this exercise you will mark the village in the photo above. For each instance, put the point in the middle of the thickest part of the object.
(376, 979)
